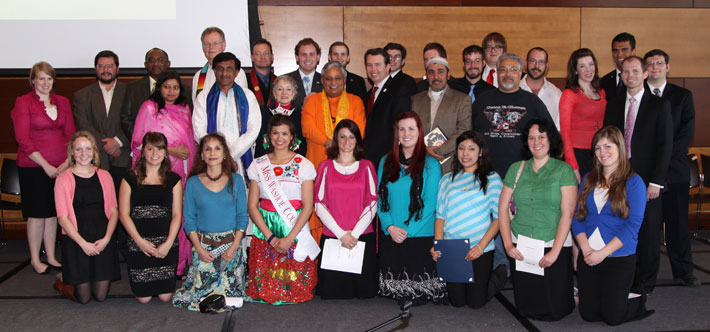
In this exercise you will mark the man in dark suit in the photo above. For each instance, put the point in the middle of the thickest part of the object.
(622, 46)
(676, 198)
(138, 91)
(384, 105)
(260, 78)
(431, 50)
(308, 79)
(473, 63)
(354, 84)
(97, 108)
(443, 108)
(647, 125)
(400, 80)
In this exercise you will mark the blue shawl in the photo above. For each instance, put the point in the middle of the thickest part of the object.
(243, 110)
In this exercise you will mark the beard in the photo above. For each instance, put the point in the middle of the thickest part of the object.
(536, 74)
(104, 80)
(475, 75)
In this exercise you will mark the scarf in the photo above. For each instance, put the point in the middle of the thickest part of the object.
(282, 109)
(201, 79)
(343, 111)
(240, 99)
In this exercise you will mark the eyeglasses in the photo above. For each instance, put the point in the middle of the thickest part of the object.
(396, 57)
(535, 62)
(493, 47)
(261, 54)
(106, 66)
(212, 44)
(151, 60)
(659, 63)
(512, 70)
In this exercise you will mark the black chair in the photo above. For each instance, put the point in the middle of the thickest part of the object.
(695, 183)
(9, 187)
(704, 182)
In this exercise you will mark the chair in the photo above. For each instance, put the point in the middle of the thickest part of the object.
(9, 187)
(704, 182)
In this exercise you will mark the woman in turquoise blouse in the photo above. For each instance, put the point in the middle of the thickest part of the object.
(544, 196)
(408, 182)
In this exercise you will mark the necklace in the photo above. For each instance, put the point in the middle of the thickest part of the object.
(207, 174)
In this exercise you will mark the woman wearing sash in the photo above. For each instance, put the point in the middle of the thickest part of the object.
(346, 202)
(282, 259)
(215, 219)
(408, 183)
(166, 112)
(467, 208)
(284, 91)
(545, 195)
(611, 203)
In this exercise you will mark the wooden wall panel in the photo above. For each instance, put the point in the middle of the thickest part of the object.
(683, 33)
(284, 27)
(555, 29)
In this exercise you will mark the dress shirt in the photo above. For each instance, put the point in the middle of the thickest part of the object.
(435, 99)
(379, 87)
(638, 97)
(550, 96)
(487, 70)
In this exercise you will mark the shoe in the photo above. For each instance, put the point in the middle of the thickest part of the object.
(688, 280)
(46, 270)
(646, 314)
(65, 290)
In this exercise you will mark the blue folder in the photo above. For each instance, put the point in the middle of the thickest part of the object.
(452, 265)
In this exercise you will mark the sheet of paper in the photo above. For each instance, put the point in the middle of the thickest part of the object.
(234, 302)
(595, 241)
(337, 258)
(532, 251)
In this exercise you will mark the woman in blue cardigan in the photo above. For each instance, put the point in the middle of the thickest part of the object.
(612, 200)
(408, 180)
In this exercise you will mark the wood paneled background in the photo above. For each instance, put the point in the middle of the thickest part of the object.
(681, 27)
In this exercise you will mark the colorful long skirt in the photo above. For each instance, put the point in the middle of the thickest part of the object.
(218, 277)
(278, 278)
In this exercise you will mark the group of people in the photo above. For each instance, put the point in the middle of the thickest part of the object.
(308, 157)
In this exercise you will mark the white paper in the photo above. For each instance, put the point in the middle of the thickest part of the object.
(234, 302)
(595, 241)
(532, 251)
(337, 258)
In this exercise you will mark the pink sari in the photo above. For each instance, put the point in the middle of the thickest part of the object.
(175, 122)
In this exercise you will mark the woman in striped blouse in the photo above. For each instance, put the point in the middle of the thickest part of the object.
(467, 208)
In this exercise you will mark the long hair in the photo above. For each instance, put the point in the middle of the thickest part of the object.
(157, 97)
(484, 160)
(96, 160)
(280, 120)
(391, 168)
(228, 164)
(333, 150)
(159, 141)
(573, 75)
(617, 180)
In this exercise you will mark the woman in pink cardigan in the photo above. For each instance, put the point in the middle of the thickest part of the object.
(88, 213)
(43, 123)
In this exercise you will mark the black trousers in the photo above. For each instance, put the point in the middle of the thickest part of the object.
(604, 291)
(584, 160)
(548, 297)
(648, 249)
(675, 218)
(474, 295)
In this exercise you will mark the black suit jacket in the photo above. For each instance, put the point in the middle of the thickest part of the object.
(388, 106)
(90, 114)
(683, 114)
(463, 85)
(608, 83)
(404, 81)
(265, 90)
(652, 140)
(137, 92)
(356, 85)
(316, 86)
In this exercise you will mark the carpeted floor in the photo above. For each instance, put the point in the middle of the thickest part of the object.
(28, 303)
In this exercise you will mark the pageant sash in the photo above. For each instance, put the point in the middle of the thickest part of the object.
(306, 246)
(257, 88)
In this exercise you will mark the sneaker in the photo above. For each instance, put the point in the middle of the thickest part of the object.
(688, 280)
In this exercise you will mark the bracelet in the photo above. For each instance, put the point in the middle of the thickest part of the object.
(271, 238)
(479, 247)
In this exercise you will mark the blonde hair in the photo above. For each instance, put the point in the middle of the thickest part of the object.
(43, 67)
(70, 147)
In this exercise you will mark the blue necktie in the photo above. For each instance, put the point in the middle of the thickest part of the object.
(470, 93)
(307, 86)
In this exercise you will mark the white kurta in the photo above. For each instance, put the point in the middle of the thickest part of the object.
(241, 79)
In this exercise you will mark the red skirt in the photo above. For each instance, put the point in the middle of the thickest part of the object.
(278, 278)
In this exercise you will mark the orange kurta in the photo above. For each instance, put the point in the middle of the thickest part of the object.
(313, 126)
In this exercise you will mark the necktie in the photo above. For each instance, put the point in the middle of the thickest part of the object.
(657, 92)
(470, 94)
(619, 85)
(629, 125)
(371, 100)
(489, 79)
(152, 87)
(306, 84)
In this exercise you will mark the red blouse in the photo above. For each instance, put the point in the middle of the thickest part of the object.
(580, 118)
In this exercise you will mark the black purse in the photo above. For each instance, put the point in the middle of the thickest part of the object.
(213, 304)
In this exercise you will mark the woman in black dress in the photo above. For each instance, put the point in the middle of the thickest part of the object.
(86, 209)
(151, 211)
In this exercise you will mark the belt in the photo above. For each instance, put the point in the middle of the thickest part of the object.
(210, 242)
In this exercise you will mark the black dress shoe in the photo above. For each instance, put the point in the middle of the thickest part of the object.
(688, 280)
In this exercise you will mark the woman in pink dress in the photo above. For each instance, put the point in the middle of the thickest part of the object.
(166, 112)
(346, 202)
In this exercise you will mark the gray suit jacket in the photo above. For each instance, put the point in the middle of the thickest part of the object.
(90, 114)
(453, 118)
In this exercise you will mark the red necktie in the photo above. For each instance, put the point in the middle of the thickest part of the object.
(489, 79)
(371, 100)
